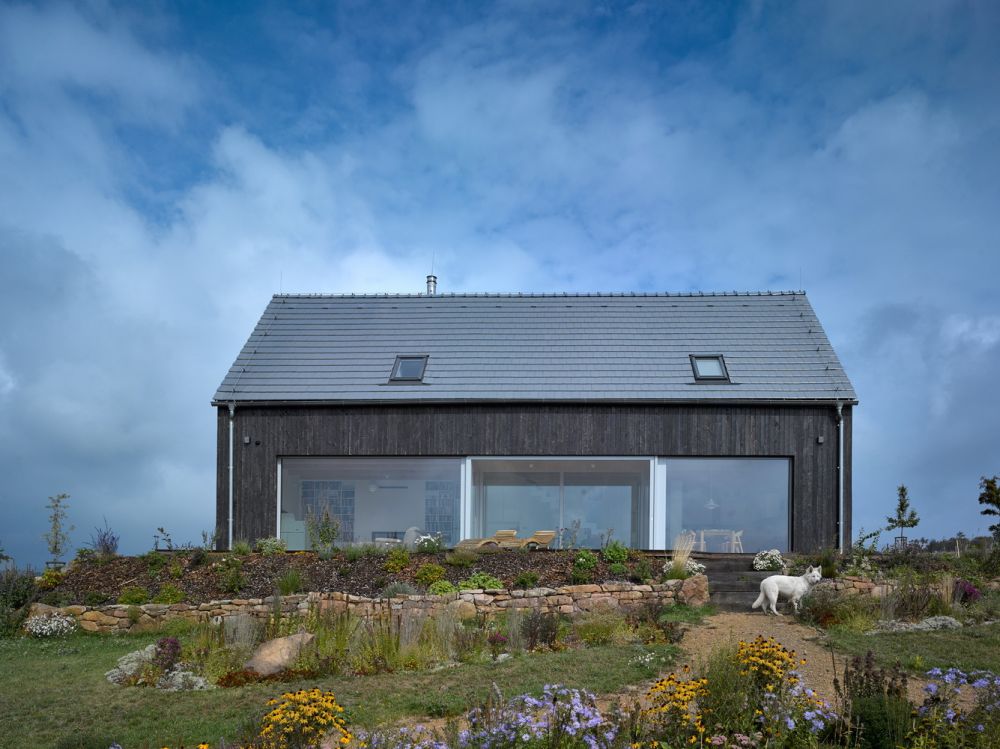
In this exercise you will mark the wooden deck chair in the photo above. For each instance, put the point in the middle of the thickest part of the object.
(537, 540)
(497, 539)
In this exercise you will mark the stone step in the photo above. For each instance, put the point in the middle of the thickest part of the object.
(732, 600)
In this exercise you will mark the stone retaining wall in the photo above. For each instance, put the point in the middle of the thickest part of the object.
(572, 599)
(853, 586)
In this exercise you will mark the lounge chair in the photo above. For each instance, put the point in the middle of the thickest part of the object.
(497, 539)
(537, 540)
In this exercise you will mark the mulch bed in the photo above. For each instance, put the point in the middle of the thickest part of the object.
(95, 581)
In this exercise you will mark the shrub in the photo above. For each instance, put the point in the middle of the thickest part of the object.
(57, 537)
(768, 561)
(585, 560)
(289, 582)
(104, 541)
(642, 570)
(461, 558)
(17, 590)
(169, 594)
(441, 588)
(674, 571)
(94, 598)
(966, 592)
(876, 701)
(198, 558)
(540, 629)
(270, 547)
(323, 530)
(619, 570)
(430, 545)
(229, 573)
(600, 628)
(155, 562)
(50, 579)
(167, 653)
(480, 580)
(133, 595)
(615, 553)
(55, 625)
(241, 547)
(175, 570)
(397, 560)
(398, 589)
(526, 580)
(428, 574)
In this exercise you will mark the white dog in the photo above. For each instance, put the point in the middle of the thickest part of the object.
(788, 587)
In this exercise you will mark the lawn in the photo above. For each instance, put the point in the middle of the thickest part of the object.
(53, 693)
(969, 648)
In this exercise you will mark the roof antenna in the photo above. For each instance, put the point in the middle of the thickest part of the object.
(432, 280)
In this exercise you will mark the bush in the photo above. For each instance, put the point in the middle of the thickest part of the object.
(167, 653)
(428, 574)
(56, 625)
(241, 547)
(430, 545)
(768, 561)
(155, 562)
(398, 589)
(600, 628)
(50, 579)
(877, 703)
(615, 553)
(585, 560)
(540, 629)
(270, 547)
(441, 588)
(397, 560)
(94, 598)
(198, 558)
(480, 580)
(461, 558)
(526, 580)
(134, 595)
(642, 570)
(289, 582)
(168, 593)
(229, 573)
(104, 541)
(829, 608)
(323, 530)
(618, 570)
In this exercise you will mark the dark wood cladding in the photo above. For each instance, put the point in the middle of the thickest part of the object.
(265, 433)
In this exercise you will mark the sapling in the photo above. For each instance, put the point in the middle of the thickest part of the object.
(58, 536)
(904, 517)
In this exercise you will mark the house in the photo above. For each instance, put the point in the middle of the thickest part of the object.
(639, 416)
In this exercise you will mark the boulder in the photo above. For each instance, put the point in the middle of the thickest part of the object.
(130, 665)
(278, 654)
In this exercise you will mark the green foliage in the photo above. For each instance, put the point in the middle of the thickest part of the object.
(583, 567)
(169, 593)
(827, 562)
(323, 530)
(428, 574)
(430, 545)
(904, 517)
(229, 572)
(619, 570)
(50, 579)
(461, 558)
(398, 589)
(270, 547)
(198, 558)
(830, 608)
(641, 571)
(989, 497)
(396, 560)
(155, 562)
(540, 629)
(57, 537)
(601, 628)
(442, 587)
(94, 598)
(876, 701)
(176, 571)
(480, 580)
(526, 580)
(17, 590)
(289, 582)
(615, 553)
(241, 547)
(134, 595)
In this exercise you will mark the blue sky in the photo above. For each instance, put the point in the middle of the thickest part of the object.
(165, 168)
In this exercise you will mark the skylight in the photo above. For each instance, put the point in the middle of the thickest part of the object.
(409, 369)
(709, 368)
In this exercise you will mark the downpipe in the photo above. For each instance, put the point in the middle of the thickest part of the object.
(232, 415)
(840, 476)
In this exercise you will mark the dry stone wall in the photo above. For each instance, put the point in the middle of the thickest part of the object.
(571, 599)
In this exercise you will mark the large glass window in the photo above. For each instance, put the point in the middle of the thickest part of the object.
(729, 504)
(588, 497)
(372, 498)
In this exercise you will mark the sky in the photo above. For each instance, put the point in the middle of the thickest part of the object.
(166, 167)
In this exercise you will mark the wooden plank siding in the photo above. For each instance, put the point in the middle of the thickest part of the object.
(538, 429)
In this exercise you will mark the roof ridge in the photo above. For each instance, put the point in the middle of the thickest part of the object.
(542, 295)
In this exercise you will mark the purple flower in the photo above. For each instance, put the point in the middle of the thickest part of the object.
(790, 723)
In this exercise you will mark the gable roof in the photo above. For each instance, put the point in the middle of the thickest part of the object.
(536, 347)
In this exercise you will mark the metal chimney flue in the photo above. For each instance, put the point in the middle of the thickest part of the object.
(432, 285)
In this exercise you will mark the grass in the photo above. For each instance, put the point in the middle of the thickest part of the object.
(968, 648)
(54, 692)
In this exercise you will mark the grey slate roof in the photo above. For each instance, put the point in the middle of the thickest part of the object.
(544, 347)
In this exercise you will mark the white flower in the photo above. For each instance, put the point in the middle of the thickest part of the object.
(54, 625)
(768, 560)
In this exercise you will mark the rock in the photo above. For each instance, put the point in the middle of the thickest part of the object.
(183, 681)
(463, 609)
(277, 655)
(41, 609)
(694, 591)
(930, 623)
(130, 665)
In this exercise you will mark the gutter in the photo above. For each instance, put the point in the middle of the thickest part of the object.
(232, 415)
(840, 476)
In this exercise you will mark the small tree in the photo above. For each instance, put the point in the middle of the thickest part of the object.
(904, 518)
(990, 497)
(58, 536)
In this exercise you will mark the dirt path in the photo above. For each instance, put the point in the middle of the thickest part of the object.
(807, 642)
